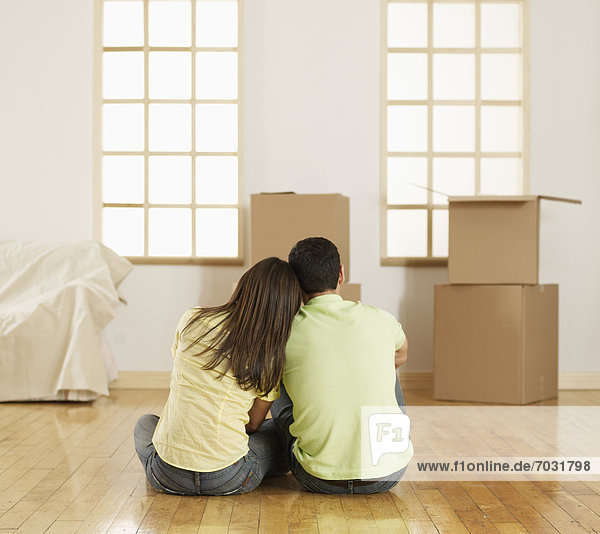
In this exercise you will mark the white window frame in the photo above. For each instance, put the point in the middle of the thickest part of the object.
(98, 151)
(429, 102)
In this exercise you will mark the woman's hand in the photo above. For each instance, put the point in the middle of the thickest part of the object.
(257, 415)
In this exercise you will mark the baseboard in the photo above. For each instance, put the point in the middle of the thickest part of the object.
(141, 380)
(408, 381)
(416, 380)
(579, 380)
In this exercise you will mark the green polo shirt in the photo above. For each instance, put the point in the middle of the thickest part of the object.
(340, 357)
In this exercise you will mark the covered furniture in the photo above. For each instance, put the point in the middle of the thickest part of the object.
(55, 300)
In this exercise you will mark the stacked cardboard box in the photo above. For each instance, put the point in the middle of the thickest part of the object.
(495, 328)
(279, 220)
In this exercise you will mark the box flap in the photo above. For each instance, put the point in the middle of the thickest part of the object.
(561, 199)
(494, 198)
(510, 198)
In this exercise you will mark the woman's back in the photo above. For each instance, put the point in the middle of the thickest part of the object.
(202, 426)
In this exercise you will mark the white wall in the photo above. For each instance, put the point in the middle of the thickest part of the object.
(45, 119)
(565, 161)
(311, 124)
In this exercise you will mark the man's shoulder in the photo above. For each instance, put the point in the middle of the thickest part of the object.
(345, 310)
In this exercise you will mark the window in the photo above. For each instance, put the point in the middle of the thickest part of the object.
(453, 116)
(168, 153)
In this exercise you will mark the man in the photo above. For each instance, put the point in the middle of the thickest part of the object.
(340, 357)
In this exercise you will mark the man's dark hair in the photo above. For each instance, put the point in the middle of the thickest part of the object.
(316, 262)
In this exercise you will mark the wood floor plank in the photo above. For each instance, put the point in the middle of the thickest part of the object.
(303, 515)
(16, 491)
(591, 501)
(440, 512)
(109, 506)
(330, 514)
(245, 513)
(488, 503)
(160, 514)
(188, 515)
(421, 527)
(552, 512)
(274, 512)
(385, 513)
(586, 517)
(130, 517)
(465, 508)
(511, 528)
(576, 487)
(358, 514)
(519, 507)
(64, 527)
(217, 515)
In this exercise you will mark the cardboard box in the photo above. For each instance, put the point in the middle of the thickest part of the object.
(494, 239)
(496, 343)
(278, 221)
(350, 292)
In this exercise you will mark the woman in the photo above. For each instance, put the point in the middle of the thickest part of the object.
(211, 438)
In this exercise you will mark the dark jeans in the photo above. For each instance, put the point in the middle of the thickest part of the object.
(266, 454)
(282, 412)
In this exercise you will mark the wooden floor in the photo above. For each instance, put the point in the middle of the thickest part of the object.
(68, 468)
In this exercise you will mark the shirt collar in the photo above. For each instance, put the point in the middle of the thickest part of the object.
(329, 297)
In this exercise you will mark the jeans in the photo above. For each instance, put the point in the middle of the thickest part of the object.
(282, 412)
(265, 455)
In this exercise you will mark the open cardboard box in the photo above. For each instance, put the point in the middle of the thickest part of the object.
(496, 343)
(495, 239)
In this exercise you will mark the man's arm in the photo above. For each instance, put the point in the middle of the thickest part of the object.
(257, 414)
(402, 354)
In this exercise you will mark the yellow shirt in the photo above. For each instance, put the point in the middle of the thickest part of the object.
(202, 426)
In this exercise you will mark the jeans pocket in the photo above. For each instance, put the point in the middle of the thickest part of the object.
(243, 481)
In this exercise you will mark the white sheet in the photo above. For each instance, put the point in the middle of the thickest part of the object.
(55, 300)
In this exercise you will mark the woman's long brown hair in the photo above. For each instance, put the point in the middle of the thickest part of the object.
(249, 333)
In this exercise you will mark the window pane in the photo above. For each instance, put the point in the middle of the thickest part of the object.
(216, 75)
(217, 232)
(169, 232)
(170, 179)
(216, 127)
(402, 174)
(453, 176)
(123, 75)
(123, 23)
(216, 23)
(501, 128)
(170, 23)
(123, 179)
(501, 176)
(439, 233)
(170, 127)
(454, 76)
(407, 233)
(123, 230)
(501, 77)
(407, 76)
(407, 25)
(407, 128)
(453, 128)
(216, 180)
(123, 126)
(500, 25)
(170, 75)
(454, 25)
